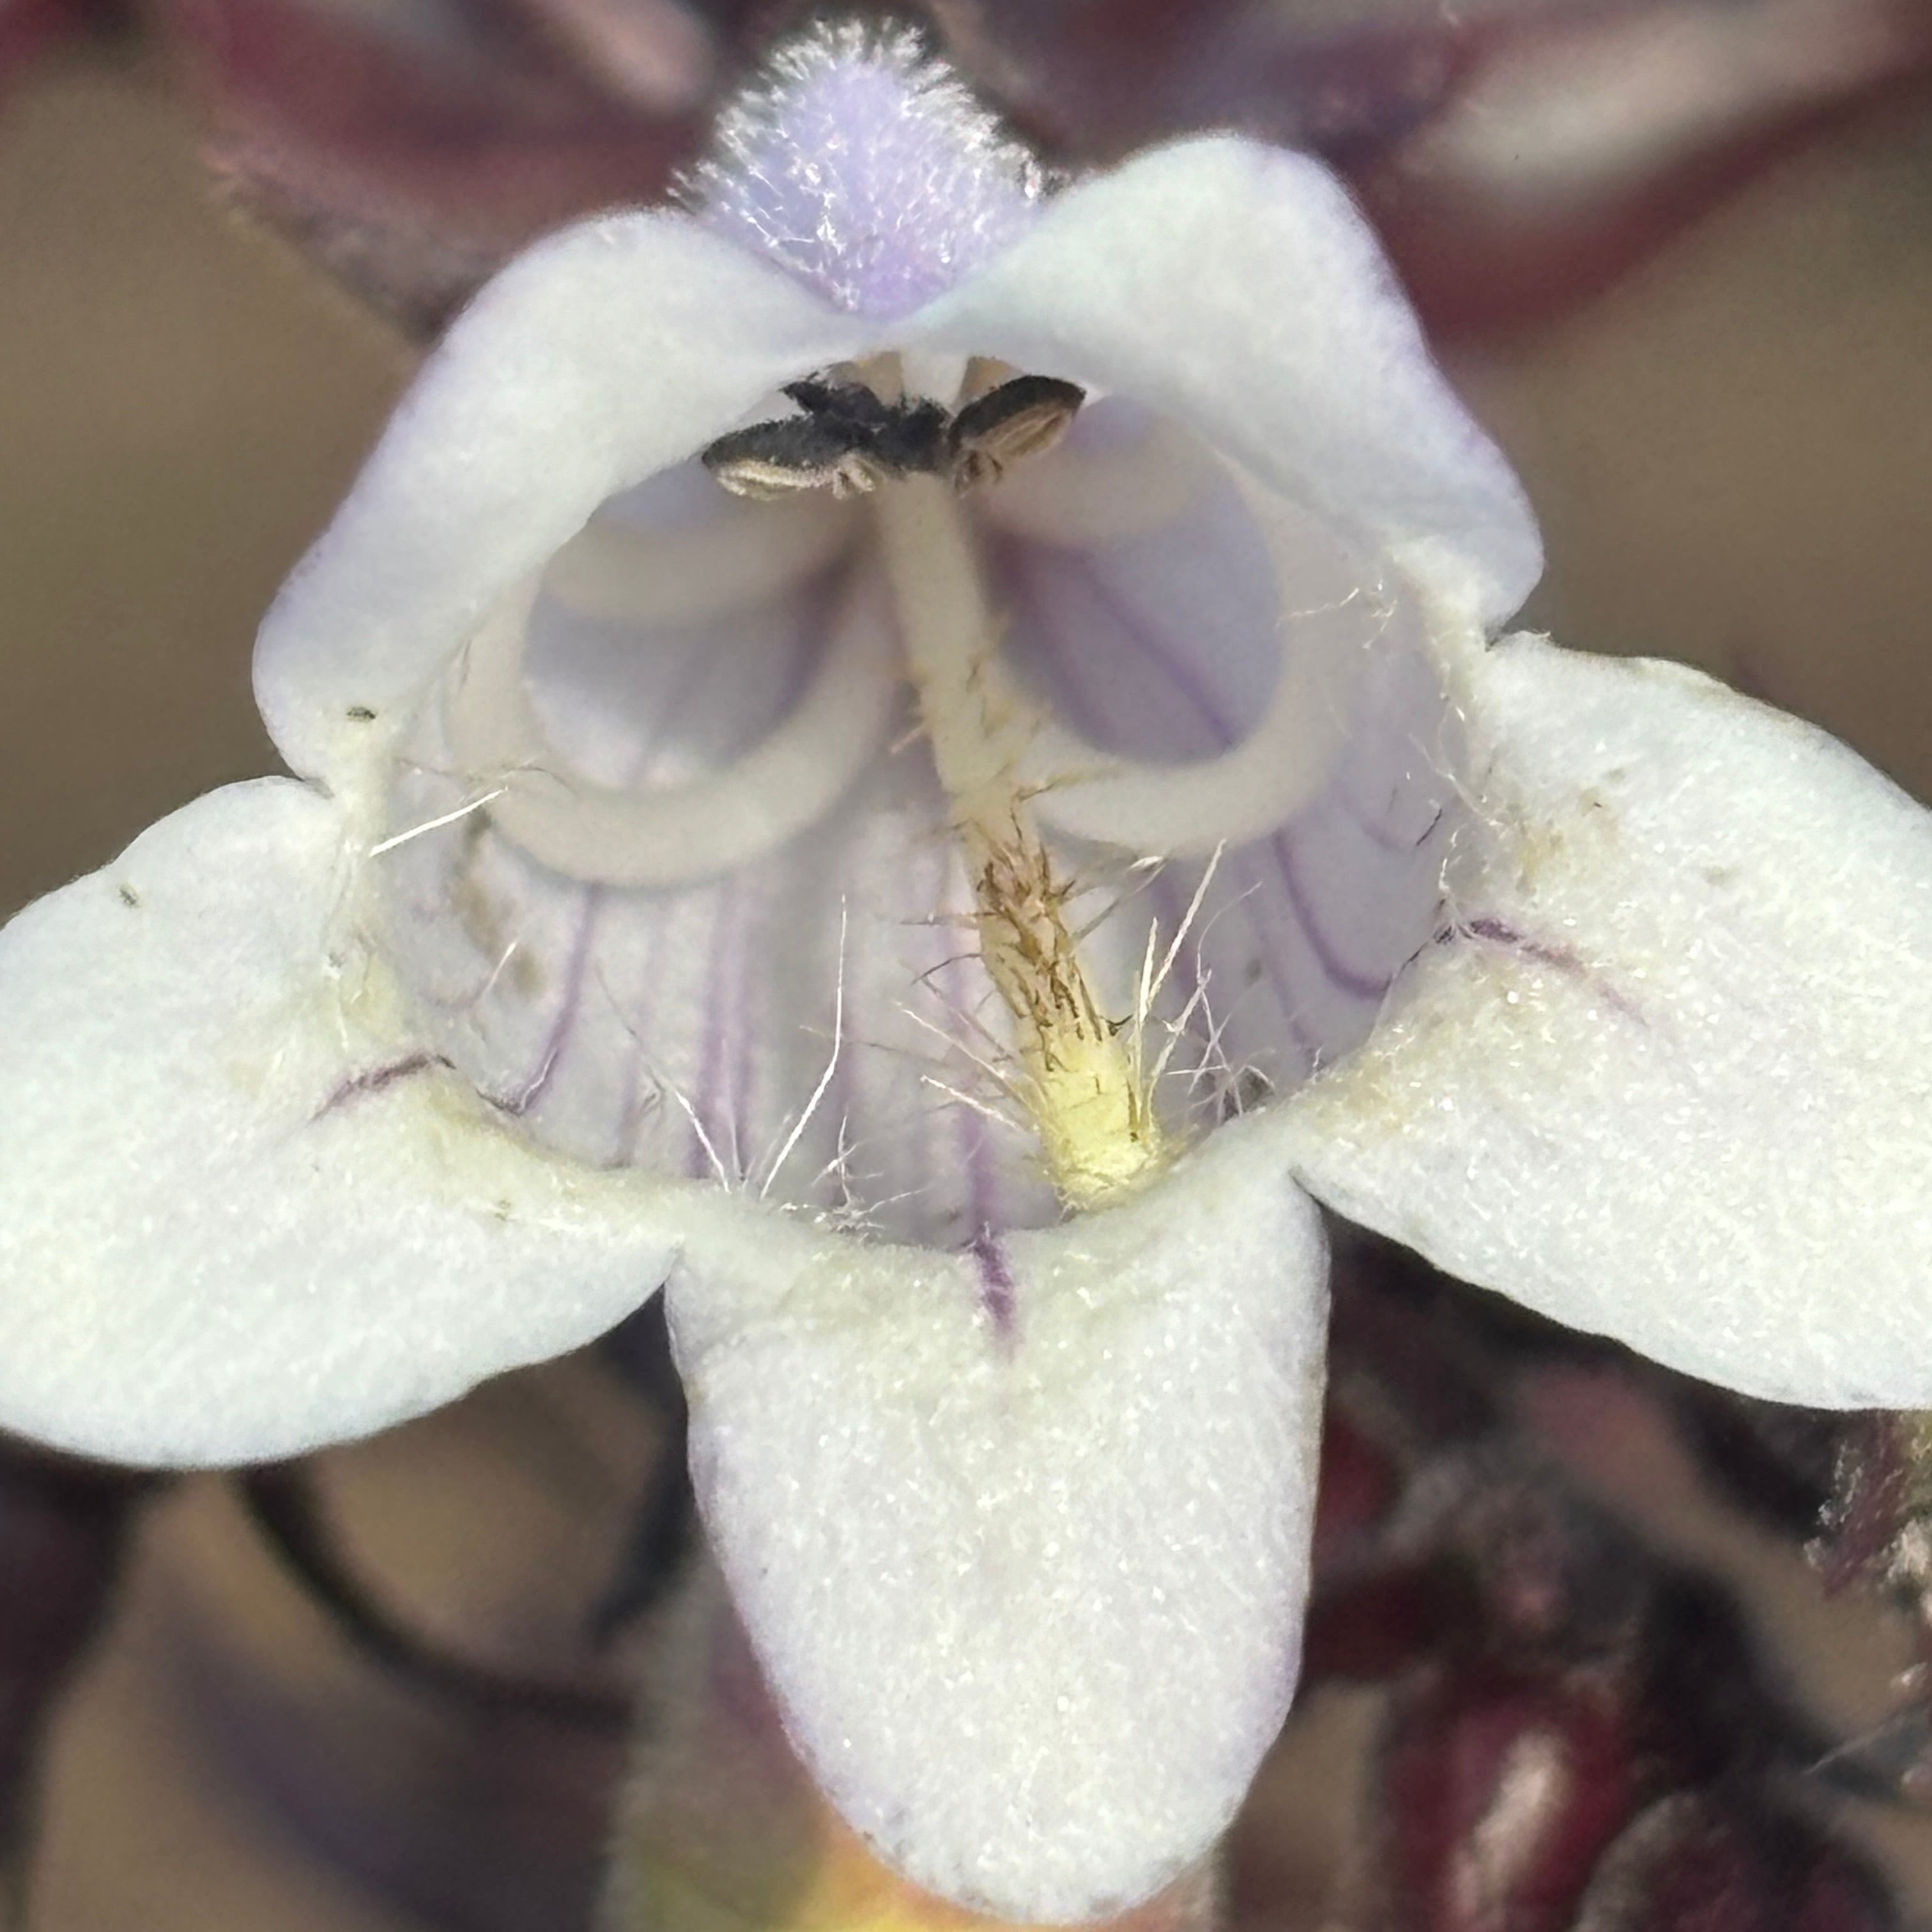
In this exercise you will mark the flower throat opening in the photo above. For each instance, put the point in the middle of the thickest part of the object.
(1081, 1077)
(894, 544)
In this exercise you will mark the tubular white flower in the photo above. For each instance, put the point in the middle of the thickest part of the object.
(642, 851)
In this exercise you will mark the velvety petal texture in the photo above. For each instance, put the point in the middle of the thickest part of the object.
(1021, 1535)
(1236, 287)
(242, 1213)
(1669, 1078)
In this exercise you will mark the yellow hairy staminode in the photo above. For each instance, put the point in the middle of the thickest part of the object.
(1084, 1079)
(1081, 1077)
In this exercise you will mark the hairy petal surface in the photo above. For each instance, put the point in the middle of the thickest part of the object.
(1021, 1535)
(1306, 363)
(242, 1212)
(603, 355)
(687, 1027)
(1669, 1078)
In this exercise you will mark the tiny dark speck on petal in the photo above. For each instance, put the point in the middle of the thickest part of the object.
(359, 714)
(504, 1209)
(129, 897)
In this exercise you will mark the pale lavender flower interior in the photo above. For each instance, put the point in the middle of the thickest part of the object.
(688, 1030)
(685, 1030)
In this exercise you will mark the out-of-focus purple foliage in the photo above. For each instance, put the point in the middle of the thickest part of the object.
(1578, 1733)
(27, 26)
(1517, 154)
(411, 150)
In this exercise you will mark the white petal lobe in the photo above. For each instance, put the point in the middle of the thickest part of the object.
(1235, 287)
(241, 1213)
(1670, 1080)
(1021, 1536)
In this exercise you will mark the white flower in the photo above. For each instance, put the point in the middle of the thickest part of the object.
(615, 859)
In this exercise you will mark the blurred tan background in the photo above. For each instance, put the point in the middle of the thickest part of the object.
(180, 406)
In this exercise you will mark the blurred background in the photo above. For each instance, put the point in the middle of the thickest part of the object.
(1679, 258)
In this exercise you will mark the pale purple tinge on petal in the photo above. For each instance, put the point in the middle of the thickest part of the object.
(1237, 289)
(867, 169)
(603, 356)
(1164, 644)
(803, 1012)
(1668, 1077)
(685, 1028)
(1021, 1536)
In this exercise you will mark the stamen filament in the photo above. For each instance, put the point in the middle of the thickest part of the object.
(738, 558)
(1083, 1081)
(1192, 808)
(670, 834)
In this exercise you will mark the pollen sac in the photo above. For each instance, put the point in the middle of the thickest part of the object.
(845, 439)
(900, 439)
(1020, 418)
(771, 460)
(849, 439)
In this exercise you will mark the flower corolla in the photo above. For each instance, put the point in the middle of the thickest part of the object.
(1027, 900)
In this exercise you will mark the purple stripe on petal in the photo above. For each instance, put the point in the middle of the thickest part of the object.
(1182, 677)
(1161, 646)
(707, 1101)
(1564, 959)
(1196, 701)
(374, 1080)
(1283, 848)
(997, 1291)
(523, 1098)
